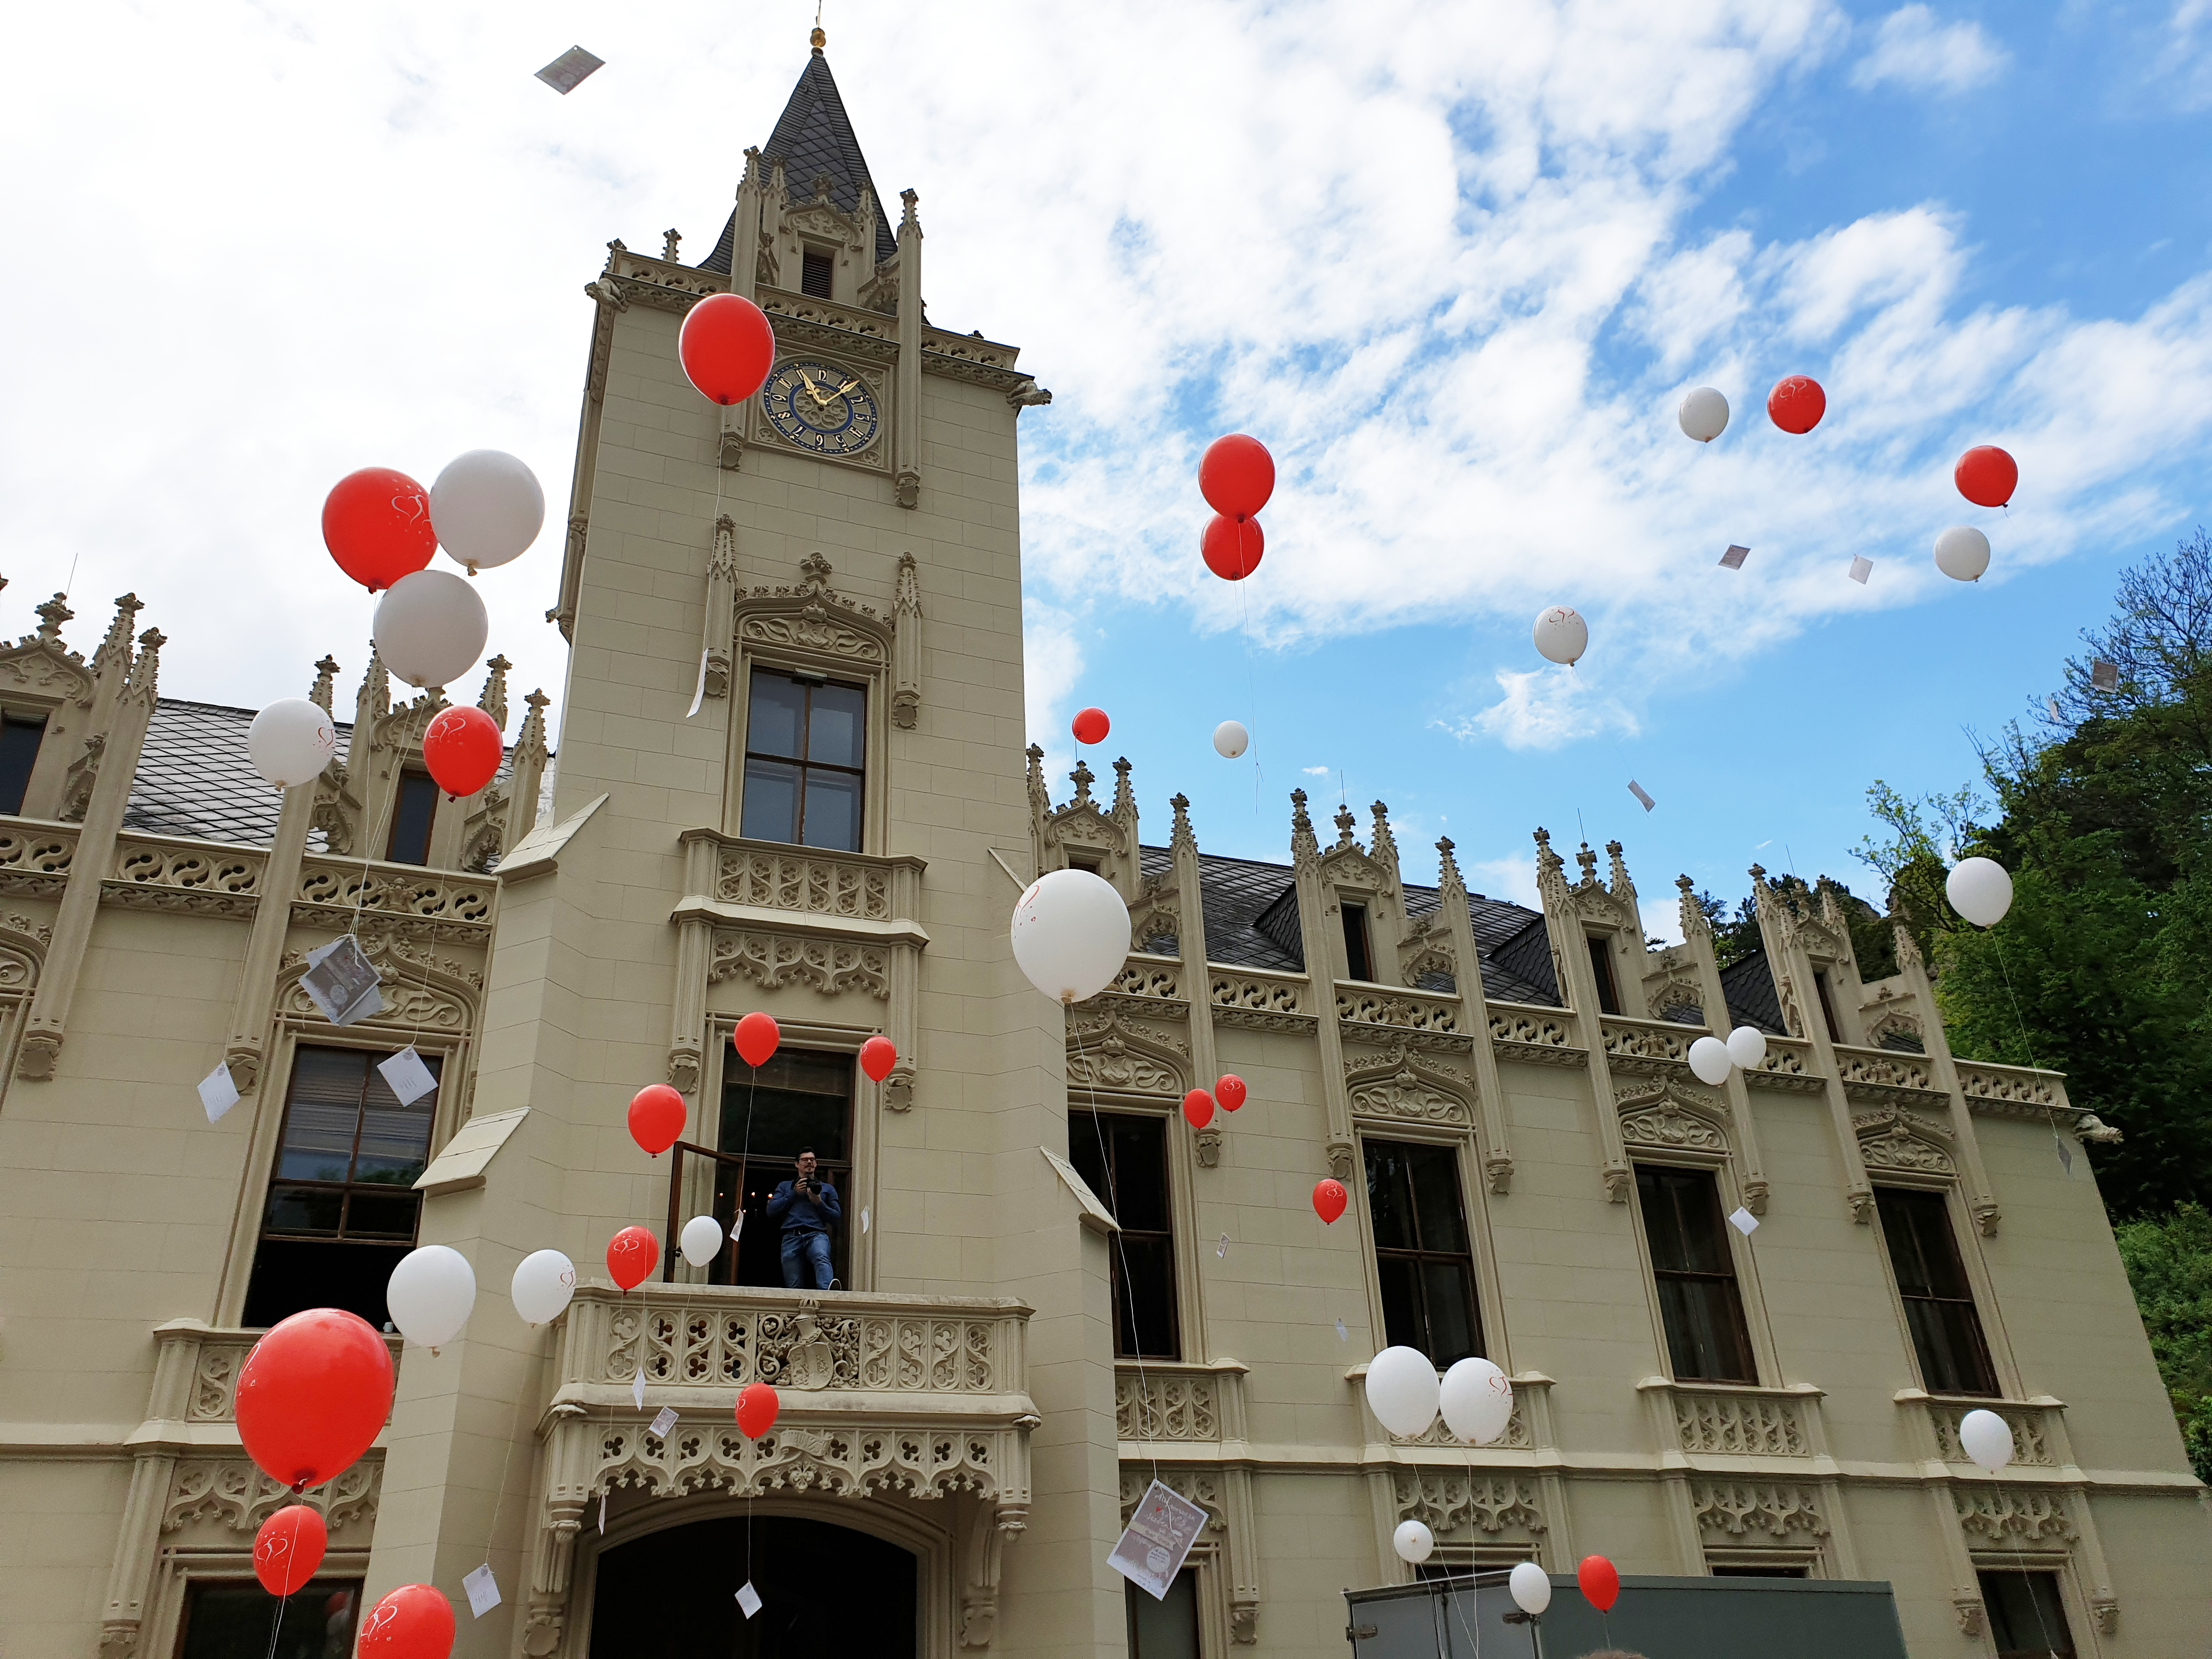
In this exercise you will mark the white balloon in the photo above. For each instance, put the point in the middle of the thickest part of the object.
(1962, 553)
(1704, 414)
(291, 741)
(430, 1295)
(1747, 1046)
(1979, 890)
(1987, 1438)
(1709, 1058)
(543, 1282)
(1070, 933)
(700, 1241)
(1403, 1390)
(487, 508)
(430, 628)
(1477, 1402)
(1414, 1541)
(1561, 635)
(1231, 739)
(1531, 1586)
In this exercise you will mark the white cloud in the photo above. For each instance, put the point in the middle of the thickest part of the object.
(1052, 663)
(1512, 878)
(1544, 708)
(1315, 771)
(1913, 52)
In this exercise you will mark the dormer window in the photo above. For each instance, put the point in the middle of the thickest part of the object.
(805, 738)
(1827, 1005)
(413, 810)
(816, 269)
(1357, 963)
(1601, 956)
(19, 737)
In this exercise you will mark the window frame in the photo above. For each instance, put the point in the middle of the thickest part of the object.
(1470, 1226)
(186, 1583)
(408, 774)
(1750, 1308)
(1979, 1298)
(809, 253)
(847, 1240)
(803, 764)
(1116, 1251)
(2055, 1567)
(1358, 940)
(1602, 968)
(24, 715)
(875, 743)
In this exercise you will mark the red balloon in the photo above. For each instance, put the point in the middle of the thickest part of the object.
(1986, 476)
(1231, 550)
(1796, 403)
(632, 1255)
(1091, 725)
(288, 1548)
(376, 522)
(757, 1037)
(1236, 475)
(1197, 1108)
(727, 348)
(312, 1395)
(1601, 1582)
(414, 1622)
(462, 749)
(878, 1056)
(758, 1406)
(1230, 1091)
(656, 1118)
(1328, 1198)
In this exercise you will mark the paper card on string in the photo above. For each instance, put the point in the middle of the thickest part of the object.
(1636, 790)
(342, 981)
(1861, 567)
(218, 1091)
(2051, 703)
(1222, 1249)
(864, 1218)
(2065, 1156)
(603, 1512)
(664, 1422)
(1152, 1547)
(2105, 676)
(1342, 1335)
(1734, 558)
(637, 1388)
(408, 1077)
(483, 1590)
(699, 693)
(567, 71)
(747, 1598)
(1742, 1220)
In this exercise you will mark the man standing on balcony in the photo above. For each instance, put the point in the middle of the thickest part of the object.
(807, 1207)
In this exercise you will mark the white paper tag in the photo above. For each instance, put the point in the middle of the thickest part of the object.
(483, 1589)
(1342, 1335)
(749, 1598)
(698, 696)
(603, 1512)
(218, 1091)
(1742, 1220)
(1636, 790)
(409, 1079)
(1861, 567)
(1222, 1249)
(1150, 1550)
(637, 1388)
(341, 981)
(1734, 558)
(664, 1422)
(737, 1226)
(2066, 1158)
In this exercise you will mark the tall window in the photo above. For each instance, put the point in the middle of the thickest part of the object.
(1827, 1005)
(413, 807)
(1358, 961)
(796, 1102)
(1939, 1303)
(19, 737)
(1124, 1158)
(803, 744)
(1601, 956)
(2027, 1618)
(816, 269)
(341, 1206)
(1422, 1257)
(224, 1618)
(1167, 1628)
(1707, 1340)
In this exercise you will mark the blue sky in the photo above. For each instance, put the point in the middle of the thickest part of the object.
(1454, 264)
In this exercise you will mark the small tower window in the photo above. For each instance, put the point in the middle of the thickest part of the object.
(1357, 963)
(803, 743)
(815, 270)
(1827, 1005)
(1608, 999)
(19, 737)
(412, 811)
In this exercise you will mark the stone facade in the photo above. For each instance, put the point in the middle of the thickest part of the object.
(961, 1399)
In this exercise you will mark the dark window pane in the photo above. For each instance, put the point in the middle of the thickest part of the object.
(835, 722)
(1436, 1198)
(1422, 1263)
(1828, 1008)
(798, 1102)
(372, 1214)
(1123, 1158)
(19, 737)
(1448, 1291)
(1740, 1571)
(293, 1273)
(777, 715)
(305, 1210)
(1400, 1277)
(771, 801)
(228, 1620)
(1694, 1275)
(2028, 1615)
(395, 1140)
(412, 813)
(1601, 956)
(1682, 1220)
(322, 1115)
(1939, 1303)
(1390, 1197)
(814, 271)
(1355, 943)
(1705, 1337)
(833, 811)
(1166, 1628)
(1139, 1145)
(1147, 1299)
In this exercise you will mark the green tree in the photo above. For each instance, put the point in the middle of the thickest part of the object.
(2169, 1263)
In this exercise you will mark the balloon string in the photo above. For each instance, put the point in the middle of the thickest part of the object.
(1251, 690)
(1121, 1249)
(276, 1629)
(499, 1498)
(2050, 1111)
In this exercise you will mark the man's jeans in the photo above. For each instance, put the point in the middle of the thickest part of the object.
(806, 1255)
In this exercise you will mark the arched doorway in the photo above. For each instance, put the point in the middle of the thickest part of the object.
(824, 1589)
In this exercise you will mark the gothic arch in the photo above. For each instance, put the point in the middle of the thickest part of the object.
(813, 621)
(1664, 1115)
(1110, 1056)
(1404, 1084)
(1898, 1141)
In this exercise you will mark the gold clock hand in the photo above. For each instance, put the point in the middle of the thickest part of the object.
(846, 390)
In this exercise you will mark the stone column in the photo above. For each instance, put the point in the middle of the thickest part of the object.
(1981, 1197)
(1490, 1088)
(906, 417)
(1697, 939)
(1793, 972)
(1578, 984)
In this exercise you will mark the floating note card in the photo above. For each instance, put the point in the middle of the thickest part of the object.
(603, 1512)
(699, 692)
(2065, 1156)
(1342, 1335)
(1638, 790)
(567, 72)
(1150, 1550)
(2105, 676)
(483, 1589)
(408, 1077)
(747, 1598)
(1861, 567)
(341, 981)
(218, 1091)
(1742, 1220)
(637, 1388)
(864, 1218)
(663, 1422)
(1222, 1249)
(1734, 558)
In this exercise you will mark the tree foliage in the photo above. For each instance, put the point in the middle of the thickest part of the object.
(2169, 1263)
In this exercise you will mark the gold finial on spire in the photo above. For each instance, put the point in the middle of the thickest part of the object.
(818, 40)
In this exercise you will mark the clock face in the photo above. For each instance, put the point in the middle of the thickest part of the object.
(822, 409)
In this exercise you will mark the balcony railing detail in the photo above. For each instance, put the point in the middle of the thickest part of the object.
(1411, 1011)
(461, 903)
(811, 884)
(1648, 1045)
(2010, 1089)
(1699, 1421)
(1249, 997)
(1166, 1402)
(35, 861)
(184, 876)
(1546, 1035)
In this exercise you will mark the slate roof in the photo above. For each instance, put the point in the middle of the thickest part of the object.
(813, 139)
(1748, 984)
(1252, 921)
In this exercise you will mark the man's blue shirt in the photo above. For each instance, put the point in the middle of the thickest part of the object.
(802, 1214)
